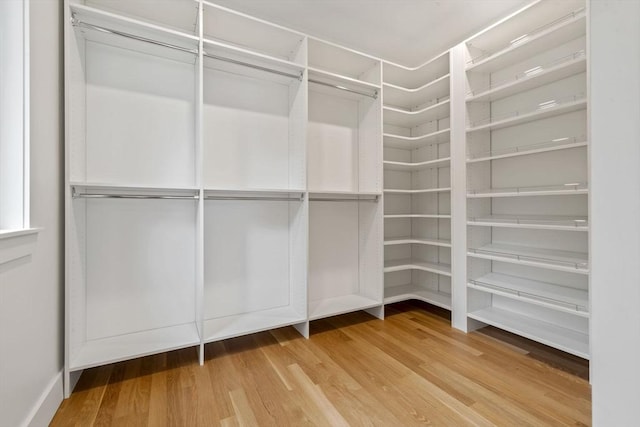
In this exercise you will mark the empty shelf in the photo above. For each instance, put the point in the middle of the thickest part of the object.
(556, 297)
(553, 259)
(409, 142)
(417, 240)
(409, 167)
(563, 143)
(409, 119)
(549, 190)
(564, 339)
(340, 305)
(414, 264)
(247, 323)
(411, 98)
(542, 222)
(407, 292)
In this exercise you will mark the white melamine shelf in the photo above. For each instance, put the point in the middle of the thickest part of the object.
(546, 109)
(340, 305)
(422, 191)
(563, 30)
(406, 292)
(549, 190)
(434, 216)
(533, 78)
(138, 344)
(412, 98)
(540, 222)
(416, 77)
(342, 81)
(560, 298)
(409, 167)
(551, 259)
(409, 119)
(564, 339)
(391, 266)
(247, 323)
(409, 142)
(542, 147)
(408, 240)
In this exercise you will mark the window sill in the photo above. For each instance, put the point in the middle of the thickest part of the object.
(16, 244)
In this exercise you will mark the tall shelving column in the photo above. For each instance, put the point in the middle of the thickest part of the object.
(417, 182)
(527, 168)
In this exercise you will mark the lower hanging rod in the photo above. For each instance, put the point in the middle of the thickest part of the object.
(257, 67)
(370, 95)
(77, 23)
(132, 196)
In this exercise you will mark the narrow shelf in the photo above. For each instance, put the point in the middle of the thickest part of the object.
(409, 167)
(414, 264)
(556, 297)
(340, 305)
(540, 222)
(411, 98)
(564, 143)
(422, 191)
(562, 30)
(551, 259)
(417, 240)
(336, 83)
(407, 292)
(138, 344)
(546, 333)
(434, 216)
(545, 109)
(409, 119)
(549, 190)
(409, 142)
(247, 323)
(533, 78)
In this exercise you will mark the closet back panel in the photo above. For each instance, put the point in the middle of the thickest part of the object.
(139, 118)
(140, 269)
(246, 249)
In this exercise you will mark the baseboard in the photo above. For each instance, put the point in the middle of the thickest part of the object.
(45, 408)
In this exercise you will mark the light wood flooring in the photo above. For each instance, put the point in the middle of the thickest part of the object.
(410, 369)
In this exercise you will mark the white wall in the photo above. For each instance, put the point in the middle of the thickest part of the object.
(615, 211)
(31, 289)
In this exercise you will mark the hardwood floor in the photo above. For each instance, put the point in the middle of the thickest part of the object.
(410, 369)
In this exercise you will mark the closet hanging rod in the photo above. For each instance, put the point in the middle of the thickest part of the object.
(323, 199)
(370, 95)
(267, 199)
(132, 196)
(77, 23)
(257, 67)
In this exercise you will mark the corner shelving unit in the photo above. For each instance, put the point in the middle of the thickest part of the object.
(527, 163)
(417, 182)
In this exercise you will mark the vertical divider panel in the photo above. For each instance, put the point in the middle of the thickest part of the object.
(199, 165)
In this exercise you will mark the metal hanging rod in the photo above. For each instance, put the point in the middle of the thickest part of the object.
(257, 67)
(370, 95)
(267, 199)
(322, 199)
(77, 23)
(131, 196)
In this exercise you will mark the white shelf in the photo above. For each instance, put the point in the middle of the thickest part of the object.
(539, 222)
(572, 27)
(340, 305)
(434, 216)
(412, 98)
(423, 191)
(417, 240)
(414, 264)
(342, 61)
(551, 259)
(122, 347)
(416, 77)
(394, 294)
(409, 119)
(552, 335)
(247, 323)
(526, 150)
(409, 167)
(549, 190)
(560, 298)
(409, 142)
(575, 103)
(533, 78)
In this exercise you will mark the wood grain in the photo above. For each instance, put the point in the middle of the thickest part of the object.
(410, 369)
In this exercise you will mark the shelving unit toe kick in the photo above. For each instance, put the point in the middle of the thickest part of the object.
(138, 344)
(391, 266)
(247, 323)
(340, 305)
(564, 339)
(394, 294)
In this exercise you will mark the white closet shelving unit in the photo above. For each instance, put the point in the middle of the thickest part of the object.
(417, 182)
(527, 167)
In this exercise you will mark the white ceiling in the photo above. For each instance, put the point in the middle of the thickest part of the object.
(405, 31)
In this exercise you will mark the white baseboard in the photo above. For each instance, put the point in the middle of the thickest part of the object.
(45, 408)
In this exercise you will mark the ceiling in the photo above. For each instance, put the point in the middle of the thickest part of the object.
(405, 31)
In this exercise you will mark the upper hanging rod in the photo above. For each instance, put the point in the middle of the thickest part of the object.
(266, 198)
(370, 95)
(336, 199)
(77, 23)
(257, 67)
(132, 196)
